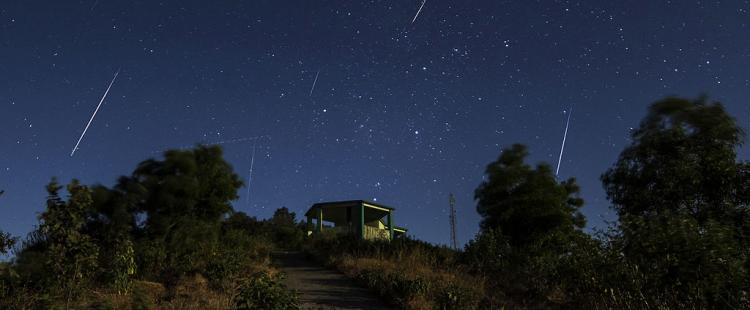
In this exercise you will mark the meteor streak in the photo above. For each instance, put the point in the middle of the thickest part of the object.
(93, 115)
(565, 136)
(418, 11)
(315, 81)
(250, 175)
(237, 140)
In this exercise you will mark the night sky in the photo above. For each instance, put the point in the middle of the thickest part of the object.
(402, 113)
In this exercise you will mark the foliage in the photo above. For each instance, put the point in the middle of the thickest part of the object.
(194, 184)
(151, 259)
(71, 254)
(682, 240)
(530, 233)
(261, 291)
(242, 222)
(525, 203)
(6, 242)
(558, 269)
(682, 159)
(394, 285)
(282, 217)
(487, 252)
(411, 274)
(286, 231)
(237, 254)
(170, 221)
(682, 200)
(123, 266)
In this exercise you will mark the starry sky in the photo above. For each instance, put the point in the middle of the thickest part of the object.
(403, 111)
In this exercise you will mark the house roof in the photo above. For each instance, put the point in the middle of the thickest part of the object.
(345, 203)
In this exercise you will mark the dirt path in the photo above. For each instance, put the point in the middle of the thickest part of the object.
(322, 288)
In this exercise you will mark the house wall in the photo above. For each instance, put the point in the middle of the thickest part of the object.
(374, 233)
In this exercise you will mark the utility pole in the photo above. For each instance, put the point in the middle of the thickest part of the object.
(452, 202)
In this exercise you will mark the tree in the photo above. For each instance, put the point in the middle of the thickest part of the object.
(242, 222)
(282, 217)
(71, 254)
(287, 233)
(527, 204)
(6, 240)
(682, 199)
(195, 184)
(682, 159)
(184, 197)
(530, 239)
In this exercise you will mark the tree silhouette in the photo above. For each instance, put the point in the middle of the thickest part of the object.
(72, 254)
(6, 240)
(682, 200)
(192, 185)
(526, 203)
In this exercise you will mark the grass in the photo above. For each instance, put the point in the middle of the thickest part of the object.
(410, 274)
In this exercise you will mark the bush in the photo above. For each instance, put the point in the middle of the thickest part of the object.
(151, 259)
(261, 291)
(237, 254)
(123, 266)
(455, 296)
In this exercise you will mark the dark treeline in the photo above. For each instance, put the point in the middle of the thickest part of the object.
(169, 225)
(681, 239)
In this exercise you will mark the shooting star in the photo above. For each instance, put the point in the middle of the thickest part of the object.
(314, 82)
(562, 148)
(418, 11)
(93, 115)
(250, 175)
(231, 141)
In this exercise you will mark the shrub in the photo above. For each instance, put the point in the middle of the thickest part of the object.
(454, 296)
(71, 255)
(237, 253)
(123, 266)
(151, 259)
(261, 291)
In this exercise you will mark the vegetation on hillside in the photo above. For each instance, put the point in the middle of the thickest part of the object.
(409, 273)
(167, 237)
(681, 240)
(164, 237)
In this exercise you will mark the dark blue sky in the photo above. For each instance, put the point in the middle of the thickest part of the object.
(403, 113)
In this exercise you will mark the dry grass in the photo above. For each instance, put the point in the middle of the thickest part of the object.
(193, 292)
(417, 278)
(189, 293)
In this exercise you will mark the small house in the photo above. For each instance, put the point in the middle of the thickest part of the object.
(368, 220)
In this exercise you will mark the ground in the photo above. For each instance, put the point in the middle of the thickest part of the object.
(322, 288)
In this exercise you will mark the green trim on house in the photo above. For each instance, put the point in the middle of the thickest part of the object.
(362, 220)
(342, 214)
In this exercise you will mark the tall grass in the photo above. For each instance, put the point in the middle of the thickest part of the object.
(409, 273)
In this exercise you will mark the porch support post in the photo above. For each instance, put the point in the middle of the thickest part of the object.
(320, 219)
(362, 220)
(349, 224)
(390, 223)
(309, 224)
